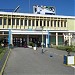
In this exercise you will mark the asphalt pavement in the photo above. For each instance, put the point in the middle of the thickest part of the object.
(25, 61)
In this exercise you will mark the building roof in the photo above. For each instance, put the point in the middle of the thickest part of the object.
(32, 14)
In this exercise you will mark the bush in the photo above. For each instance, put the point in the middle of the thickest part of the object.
(31, 44)
(67, 48)
(61, 47)
(1, 51)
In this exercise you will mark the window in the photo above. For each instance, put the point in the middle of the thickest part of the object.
(9, 21)
(55, 23)
(25, 22)
(29, 22)
(44, 23)
(65, 24)
(17, 21)
(0, 21)
(47, 23)
(36, 22)
(58, 23)
(13, 21)
(40, 22)
(61, 23)
(21, 21)
(51, 23)
(4, 21)
(32, 22)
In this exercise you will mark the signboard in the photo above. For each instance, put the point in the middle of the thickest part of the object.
(70, 60)
(50, 10)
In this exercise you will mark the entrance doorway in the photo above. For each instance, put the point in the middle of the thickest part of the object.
(36, 40)
(19, 41)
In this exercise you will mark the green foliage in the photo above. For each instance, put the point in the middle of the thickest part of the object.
(61, 47)
(66, 48)
(2, 51)
(31, 44)
(69, 48)
(1, 55)
(1, 40)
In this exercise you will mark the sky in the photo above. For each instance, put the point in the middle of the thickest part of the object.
(63, 7)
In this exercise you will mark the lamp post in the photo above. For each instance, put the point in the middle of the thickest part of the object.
(70, 37)
(42, 39)
(42, 36)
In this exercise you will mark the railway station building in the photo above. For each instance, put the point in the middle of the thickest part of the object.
(26, 27)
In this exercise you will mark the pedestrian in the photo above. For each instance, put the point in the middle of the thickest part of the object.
(66, 42)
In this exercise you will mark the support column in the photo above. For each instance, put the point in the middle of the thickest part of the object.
(69, 39)
(27, 39)
(23, 23)
(31, 25)
(19, 23)
(64, 37)
(10, 38)
(2, 23)
(48, 38)
(15, 24)
(46, 41)
(35, 23)
(56, 39)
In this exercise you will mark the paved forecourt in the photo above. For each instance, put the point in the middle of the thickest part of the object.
(25, 61)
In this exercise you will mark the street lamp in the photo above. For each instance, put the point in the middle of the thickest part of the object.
(69, 39)
(42, 36)
(42, 39)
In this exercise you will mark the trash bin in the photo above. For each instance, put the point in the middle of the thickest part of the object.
(69, 60)
(65, 59)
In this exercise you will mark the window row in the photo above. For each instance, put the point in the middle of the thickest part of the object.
(29, 22)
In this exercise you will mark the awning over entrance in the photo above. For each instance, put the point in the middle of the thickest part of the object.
(29, 32)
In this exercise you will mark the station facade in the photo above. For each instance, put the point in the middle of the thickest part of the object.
(26, 27)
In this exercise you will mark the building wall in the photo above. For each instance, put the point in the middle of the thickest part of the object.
(71, 24)
(33, 22)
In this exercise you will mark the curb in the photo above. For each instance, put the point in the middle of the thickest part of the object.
(73, 66)
(70, 65)
(1, 72)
